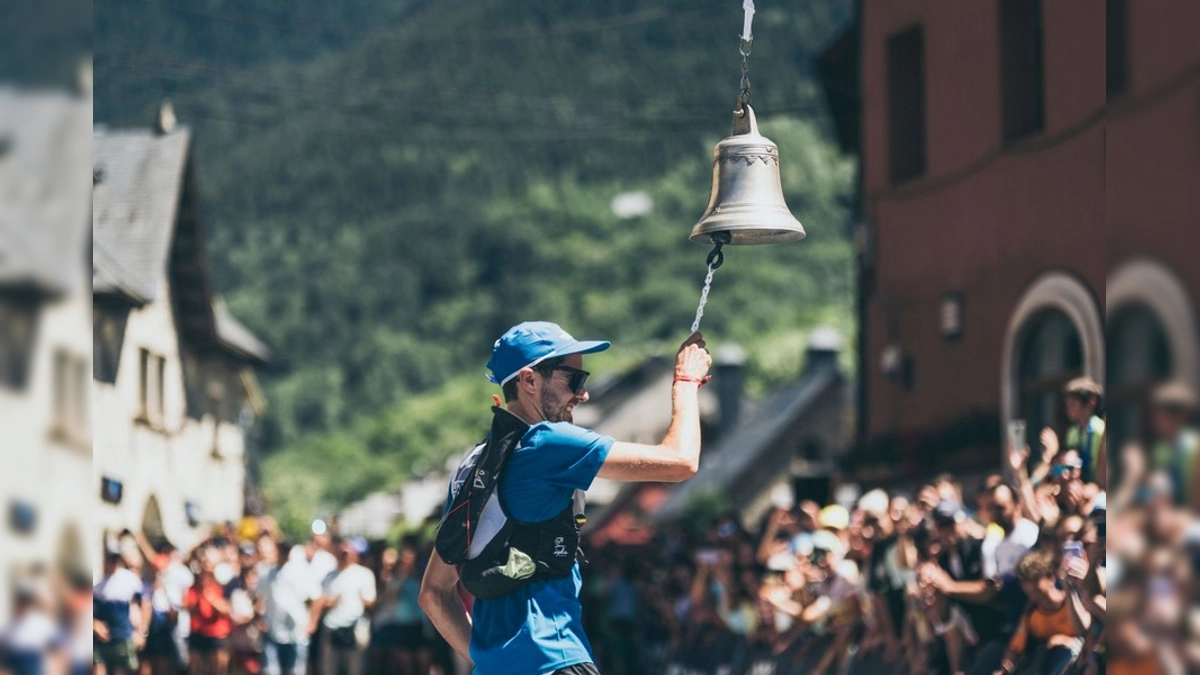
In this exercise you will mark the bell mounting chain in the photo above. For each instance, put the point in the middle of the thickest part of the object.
(715, 258)
(745, 46)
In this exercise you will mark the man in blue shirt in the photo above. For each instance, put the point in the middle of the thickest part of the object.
(538, 628)
(116, 598)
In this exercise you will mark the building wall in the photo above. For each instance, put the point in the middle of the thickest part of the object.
(1153, 165)
(986, 218)
(46, 466)
(172, 462)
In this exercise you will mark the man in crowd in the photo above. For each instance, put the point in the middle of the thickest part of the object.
(120, 618)
(1086, 433)
(348, 593)
(538, 629)
(287, 592)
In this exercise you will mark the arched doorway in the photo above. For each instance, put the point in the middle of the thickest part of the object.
(71, 555)
(1054, 333)
(152, 522)
(1050, 354)
(1153, 336)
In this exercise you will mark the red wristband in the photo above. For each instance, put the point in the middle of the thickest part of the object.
(700, 381)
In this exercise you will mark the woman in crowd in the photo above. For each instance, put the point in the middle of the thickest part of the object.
(211, 618)
(398, 641)
(1050, 635)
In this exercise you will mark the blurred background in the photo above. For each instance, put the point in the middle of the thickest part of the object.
(310, 221)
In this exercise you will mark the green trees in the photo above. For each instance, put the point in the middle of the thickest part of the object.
(386, 195)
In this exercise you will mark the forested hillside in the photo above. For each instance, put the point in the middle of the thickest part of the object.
(388, 186)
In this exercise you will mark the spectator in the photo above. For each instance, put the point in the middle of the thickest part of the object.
(31, 644)
(120, 618)
(1050, 635)
(210, 612)
(398, 633)
(1175, 442)
(286, 593)
(348, 592)
(1086, 432)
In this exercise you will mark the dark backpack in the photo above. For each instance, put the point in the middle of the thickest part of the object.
(496, 554)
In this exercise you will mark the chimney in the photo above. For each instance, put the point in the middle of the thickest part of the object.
(730, 364)
(83, 78)
(165, 122)
(824, 345)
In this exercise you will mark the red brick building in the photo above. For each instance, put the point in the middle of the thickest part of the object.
(988, 188)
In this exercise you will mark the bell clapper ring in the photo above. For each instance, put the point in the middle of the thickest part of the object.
(716, 257)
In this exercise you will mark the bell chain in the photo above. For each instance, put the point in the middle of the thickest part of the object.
(704, 296)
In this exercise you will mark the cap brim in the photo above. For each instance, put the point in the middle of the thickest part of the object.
(582, 347)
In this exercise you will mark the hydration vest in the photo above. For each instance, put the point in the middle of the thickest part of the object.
(495, 553)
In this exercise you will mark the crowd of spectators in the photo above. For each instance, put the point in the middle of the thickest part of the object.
(251, 605)
(1005, 573)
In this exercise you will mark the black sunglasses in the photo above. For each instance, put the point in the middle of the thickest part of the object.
(576, 378)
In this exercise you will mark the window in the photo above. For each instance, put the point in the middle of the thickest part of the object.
(906, 103)
(108, 329)
(71, 419)
(1021, 65)
(144, 383)
(160, 369)
(18, 321)
(1117, 48)
(151, 387)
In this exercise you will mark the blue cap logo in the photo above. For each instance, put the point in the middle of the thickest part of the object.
(529, 343)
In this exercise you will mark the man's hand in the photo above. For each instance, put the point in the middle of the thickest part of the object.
(693, 360)
(1049, 445)
(935, 577)
(1016, 460)
(1075, 570)
(100, 630)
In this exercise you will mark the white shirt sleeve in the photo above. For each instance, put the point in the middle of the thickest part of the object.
(368, 585)
(1025, 533)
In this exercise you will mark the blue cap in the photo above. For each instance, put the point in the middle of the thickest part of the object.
(528, 344)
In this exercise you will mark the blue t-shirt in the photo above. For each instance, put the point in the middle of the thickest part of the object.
(111, 600)
(539, 627)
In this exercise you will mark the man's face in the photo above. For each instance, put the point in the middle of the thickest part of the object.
(946, 533)
(1168, 421)
(1002, 507)
(1078, 411)
(1067, 467)
(555, 399)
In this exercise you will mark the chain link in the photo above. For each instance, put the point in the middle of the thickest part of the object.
(745, 47)
(708, 278)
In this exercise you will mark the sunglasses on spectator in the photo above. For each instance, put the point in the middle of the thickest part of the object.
(576, 378)
(1063, 469)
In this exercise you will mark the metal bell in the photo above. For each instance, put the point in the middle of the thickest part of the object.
(747, 197)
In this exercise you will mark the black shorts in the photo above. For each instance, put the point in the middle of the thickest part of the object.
(160, 642)
(203, 644)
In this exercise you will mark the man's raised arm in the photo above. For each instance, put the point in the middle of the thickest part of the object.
(677, 457)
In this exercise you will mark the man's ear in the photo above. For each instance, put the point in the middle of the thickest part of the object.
(526, 380)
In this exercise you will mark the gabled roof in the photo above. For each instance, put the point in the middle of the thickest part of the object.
(45, 139)
(235, 337)
(742, 456)
(146, 224)
(138, 177)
